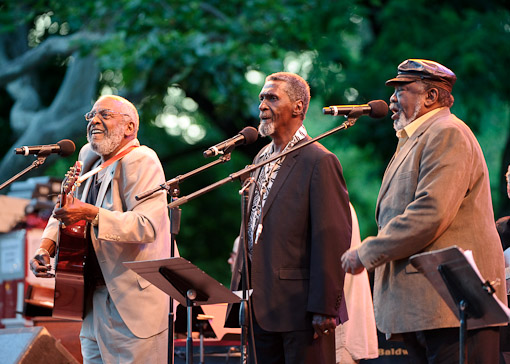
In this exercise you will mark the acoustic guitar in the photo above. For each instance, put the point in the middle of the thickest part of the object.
(72, 249)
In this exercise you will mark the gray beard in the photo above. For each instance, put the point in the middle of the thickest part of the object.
(109, 144)
(402, 121)
(266, 129)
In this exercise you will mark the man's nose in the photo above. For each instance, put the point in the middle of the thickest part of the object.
(95, 120)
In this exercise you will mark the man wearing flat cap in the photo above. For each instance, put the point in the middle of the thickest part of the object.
(435, 194)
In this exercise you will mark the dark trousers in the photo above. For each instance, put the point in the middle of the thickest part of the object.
(293, 347)
(441, 346)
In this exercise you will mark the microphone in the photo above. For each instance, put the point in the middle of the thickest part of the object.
(64, 148)
(375, 109)
(246, 136)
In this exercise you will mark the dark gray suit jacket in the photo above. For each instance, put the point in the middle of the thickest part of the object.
(296, 268)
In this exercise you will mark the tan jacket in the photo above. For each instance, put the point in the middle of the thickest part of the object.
(435, 193)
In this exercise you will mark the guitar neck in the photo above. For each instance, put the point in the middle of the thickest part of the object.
(63, 199)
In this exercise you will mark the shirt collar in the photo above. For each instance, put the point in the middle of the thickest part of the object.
(414, 125)
(299, 135)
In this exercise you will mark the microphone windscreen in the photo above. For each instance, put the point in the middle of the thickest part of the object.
(250, 134)
(67, 147)
(379, 109)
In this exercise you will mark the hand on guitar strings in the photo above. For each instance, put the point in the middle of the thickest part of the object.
(74, 210)
(40, 264)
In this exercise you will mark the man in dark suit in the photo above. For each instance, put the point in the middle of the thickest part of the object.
(299, 226)
(435, 194)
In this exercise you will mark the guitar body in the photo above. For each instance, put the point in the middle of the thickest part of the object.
(69, 301)
(72, 249)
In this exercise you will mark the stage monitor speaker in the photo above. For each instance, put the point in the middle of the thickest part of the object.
(32, 345)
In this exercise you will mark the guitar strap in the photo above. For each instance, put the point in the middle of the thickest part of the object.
(105, 164)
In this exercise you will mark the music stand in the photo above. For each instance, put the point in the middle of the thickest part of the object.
(186, 283)
(460, 285)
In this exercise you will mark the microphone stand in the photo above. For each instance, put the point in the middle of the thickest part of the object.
(244, 309)
(172, 187)
(351, 120)
(175, 222)
(41, 157)
(176, 180)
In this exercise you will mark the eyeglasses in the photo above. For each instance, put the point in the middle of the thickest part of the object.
(104, 114)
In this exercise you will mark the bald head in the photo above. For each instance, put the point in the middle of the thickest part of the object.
(120, 104)
(112, 124)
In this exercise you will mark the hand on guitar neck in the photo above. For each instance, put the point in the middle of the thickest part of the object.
(72, 211)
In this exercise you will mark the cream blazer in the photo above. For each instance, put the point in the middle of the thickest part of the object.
(129, 230)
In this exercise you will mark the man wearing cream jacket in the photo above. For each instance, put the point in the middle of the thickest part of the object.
(126, 317)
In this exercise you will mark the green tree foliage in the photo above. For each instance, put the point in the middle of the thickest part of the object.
(194, 70)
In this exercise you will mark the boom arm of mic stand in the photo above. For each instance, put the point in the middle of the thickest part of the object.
(41, 157)
(168, 185)
(351, 120)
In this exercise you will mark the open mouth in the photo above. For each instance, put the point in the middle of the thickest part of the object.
(395, 111)
(95, 132)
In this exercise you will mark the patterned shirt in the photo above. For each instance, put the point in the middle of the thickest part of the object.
(264, 183)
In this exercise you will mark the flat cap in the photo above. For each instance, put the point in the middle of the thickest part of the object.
(421, 69)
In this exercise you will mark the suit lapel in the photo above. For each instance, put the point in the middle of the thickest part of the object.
(392, 168)
(88, 163)
(107, 179)
(283, 173)
(256, 175)
(397, 159)
(89, 159)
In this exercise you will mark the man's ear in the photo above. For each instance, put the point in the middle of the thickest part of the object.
(432, 97)
(298, 108)
(130, 128)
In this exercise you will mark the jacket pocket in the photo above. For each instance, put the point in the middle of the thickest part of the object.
(142, 282)
(294, 273)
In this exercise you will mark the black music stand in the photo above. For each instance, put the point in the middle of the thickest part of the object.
(186, 283)
(460, 285)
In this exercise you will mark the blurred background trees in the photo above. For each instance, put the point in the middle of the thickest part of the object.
(194, 70)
